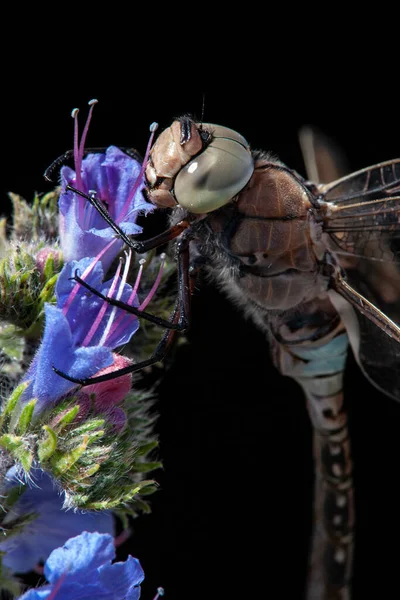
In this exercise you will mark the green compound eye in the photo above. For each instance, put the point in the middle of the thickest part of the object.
(216, 175)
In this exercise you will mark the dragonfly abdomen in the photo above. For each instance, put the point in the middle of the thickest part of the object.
(317, 363)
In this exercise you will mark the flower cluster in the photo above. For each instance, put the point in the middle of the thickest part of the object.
(51, 528)
(82, 330)
(74, 448)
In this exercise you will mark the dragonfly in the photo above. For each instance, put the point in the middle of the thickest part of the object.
(314, 262)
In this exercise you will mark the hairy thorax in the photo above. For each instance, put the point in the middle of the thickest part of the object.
(271, 234)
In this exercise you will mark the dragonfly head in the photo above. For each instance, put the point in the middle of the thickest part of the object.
(199, 167)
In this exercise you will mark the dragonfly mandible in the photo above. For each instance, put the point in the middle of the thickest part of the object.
(313, 264)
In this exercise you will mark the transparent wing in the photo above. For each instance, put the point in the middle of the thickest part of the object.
(323, 160)
(383, 178)
(362, 229)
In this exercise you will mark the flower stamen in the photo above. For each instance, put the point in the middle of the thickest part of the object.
(102, 310)
(124, 212)
(92, 104)
(155, 284)
(86, 272)
(119, 294)
(79, 146)
(131, 298)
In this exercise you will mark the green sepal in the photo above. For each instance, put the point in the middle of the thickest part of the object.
(93, 437)
(148, 488)
(25, 457)
(47, 293)
(146, 448)
(25, 418)
(12, 401)
(18, 448)
(145, 467)
(126, 495)
(48, 270)
(81, 500)
(61, 463)
(87, 473)
(87, 427)
(13, 495)
(48, 445)
(140, 505)
(11, 442)
(66, 418)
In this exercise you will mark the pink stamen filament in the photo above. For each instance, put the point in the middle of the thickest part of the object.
(102, 310)
(92, 104)
(147, 299)
(122, 537)
(124, 212)
(86, 272)
(142, 262)
(78, 165)
(155, 284)
(131, 298)
(57, 586)
(119, 294)
(79, 148)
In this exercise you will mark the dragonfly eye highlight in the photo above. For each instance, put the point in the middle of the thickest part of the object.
(216, 175)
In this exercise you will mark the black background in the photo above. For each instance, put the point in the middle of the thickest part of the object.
(233, 514)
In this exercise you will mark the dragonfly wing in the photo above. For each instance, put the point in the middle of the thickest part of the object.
(362, 230)
(323, 160)
(377, 352)
(382, 179)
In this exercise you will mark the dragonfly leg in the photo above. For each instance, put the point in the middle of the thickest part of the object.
(159, 354)
(182, 254)
(138, 247)
(179, 321)
(339, 285)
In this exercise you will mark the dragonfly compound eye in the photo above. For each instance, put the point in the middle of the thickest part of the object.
(216, 175)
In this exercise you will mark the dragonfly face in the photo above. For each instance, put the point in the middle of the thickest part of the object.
(200, 168)
(278, 244)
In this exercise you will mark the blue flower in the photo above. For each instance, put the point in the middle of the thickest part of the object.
(53, 525)
(117, 180)
(83, 569)
(80, 332)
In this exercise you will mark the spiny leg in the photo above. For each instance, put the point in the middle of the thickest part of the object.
(139, 247)
(182, 252)
(180, 316)
(159, 354)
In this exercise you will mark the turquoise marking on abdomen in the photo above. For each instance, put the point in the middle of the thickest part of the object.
(325, 360)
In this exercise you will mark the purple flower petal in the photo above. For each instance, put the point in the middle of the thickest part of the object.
(53, 526)
(79, 334)
(112, 175)
(82, 570)
(81, 556)
(59, 349)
